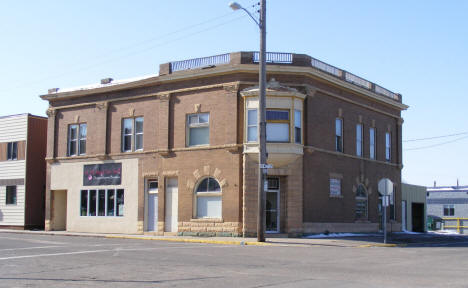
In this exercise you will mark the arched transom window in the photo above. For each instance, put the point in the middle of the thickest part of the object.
(361, 202)
(208, 199)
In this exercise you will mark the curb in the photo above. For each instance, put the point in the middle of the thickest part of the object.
(381, 245)
(204, 241)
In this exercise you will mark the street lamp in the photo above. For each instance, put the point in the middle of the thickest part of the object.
(262, 157)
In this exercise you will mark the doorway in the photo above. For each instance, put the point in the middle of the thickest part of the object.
(171, 207)
(403, 216)
(417, 213)
(272, 205)
(59, 210)
(152, 200)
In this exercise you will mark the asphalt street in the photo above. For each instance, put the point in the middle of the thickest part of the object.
(68, 261)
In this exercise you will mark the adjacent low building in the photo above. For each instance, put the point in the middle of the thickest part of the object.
(413, 208)
(449, 203)
(22, 171)
(178, 152)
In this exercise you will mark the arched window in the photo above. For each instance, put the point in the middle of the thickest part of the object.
(208, 199)
(361, 202)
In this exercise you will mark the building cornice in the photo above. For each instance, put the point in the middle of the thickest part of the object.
(230, 69)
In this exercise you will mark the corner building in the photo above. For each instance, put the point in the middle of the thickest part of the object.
(177, 153)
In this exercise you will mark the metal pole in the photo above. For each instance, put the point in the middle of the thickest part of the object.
(262, 126)
(384, 204)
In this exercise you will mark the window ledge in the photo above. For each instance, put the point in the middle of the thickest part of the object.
(202, 220)
(336, 196)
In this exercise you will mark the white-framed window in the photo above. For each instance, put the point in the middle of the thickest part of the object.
(359, 142)
(77, 139)
(132, 134)
(198, 129)
(277, 127)
(335, 187)
(12, 151)
(10, 197)
(102, 202)
(339, 135)
(208, 198)
(388, 146)
(297, 126)
(361, 202)
(449, 210)
(252, 125)
(372, 143)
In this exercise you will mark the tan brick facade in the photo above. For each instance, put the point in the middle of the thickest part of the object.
(304, 169)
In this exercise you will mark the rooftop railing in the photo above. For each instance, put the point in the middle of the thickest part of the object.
(278, 58)
(274, 57)
(200, 62)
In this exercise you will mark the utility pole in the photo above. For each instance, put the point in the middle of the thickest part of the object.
(262, 155)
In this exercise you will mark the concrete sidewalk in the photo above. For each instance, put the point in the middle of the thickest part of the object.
(359, 242)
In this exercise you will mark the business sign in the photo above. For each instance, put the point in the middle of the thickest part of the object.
(102, 174)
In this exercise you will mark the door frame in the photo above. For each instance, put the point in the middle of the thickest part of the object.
(278, 205)
(147, 192)
(166, 198)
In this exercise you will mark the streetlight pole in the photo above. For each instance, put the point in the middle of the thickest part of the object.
(262, 155)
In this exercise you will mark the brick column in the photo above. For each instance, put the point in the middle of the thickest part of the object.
(163, 120)
(50, 155)
(102, 109)
(295, 198)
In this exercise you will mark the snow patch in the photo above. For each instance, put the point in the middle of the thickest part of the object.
(336, 235)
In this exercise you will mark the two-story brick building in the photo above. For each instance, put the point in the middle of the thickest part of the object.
(22, 171)
(177, 152)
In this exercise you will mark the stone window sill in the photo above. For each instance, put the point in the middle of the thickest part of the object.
(207, 220)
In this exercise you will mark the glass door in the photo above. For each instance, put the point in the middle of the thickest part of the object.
(272, 205)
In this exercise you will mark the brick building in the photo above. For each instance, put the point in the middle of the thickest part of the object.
(177, 152)
(22, 171)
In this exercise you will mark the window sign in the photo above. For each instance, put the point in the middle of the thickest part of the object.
(102, 174)
(335, 187)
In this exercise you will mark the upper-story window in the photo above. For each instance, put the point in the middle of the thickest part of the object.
(388, 146)
(132, 134)
(198, 129)
(252, 125)
(277, 127)
(12, 151)
(77, 139)
(359, 141)
(297, 126)
(339, 134)
(372, 143)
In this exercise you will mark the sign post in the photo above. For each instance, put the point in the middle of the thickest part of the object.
(385, 188)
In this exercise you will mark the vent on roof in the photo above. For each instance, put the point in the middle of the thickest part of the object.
(106, 80)
(53, 90)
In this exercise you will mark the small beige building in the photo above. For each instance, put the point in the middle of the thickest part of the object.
(413, 207)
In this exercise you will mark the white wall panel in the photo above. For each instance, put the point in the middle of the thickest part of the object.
(12, 214)
(14, 169)
(13, 128)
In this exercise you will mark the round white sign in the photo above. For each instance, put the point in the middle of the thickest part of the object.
(385, 187)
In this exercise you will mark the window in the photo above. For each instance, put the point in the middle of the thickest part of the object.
(132, 134)
(361, 202)
(152, 187)
(388, 145)
(277, 127)
(392, 204)
(335, 187)
(297, 126)
(198, 126)
(372, 143)
(102, 202)
(208, 198)
(77, 139)
(339, 135)
(449, 210)
(10, 195)
(359, 141)
(12, 151)
(252, 126)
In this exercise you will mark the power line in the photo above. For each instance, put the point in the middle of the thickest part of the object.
(186, 28)
(436, 137)
(435, 145)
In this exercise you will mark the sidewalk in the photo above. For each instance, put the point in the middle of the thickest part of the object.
(357, 242)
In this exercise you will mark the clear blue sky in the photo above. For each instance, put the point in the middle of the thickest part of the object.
(416, 48)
